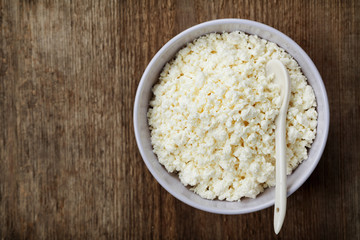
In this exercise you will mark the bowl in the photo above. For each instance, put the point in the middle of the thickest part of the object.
(171, 181)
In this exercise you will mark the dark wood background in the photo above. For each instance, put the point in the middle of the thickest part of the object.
(70, 167)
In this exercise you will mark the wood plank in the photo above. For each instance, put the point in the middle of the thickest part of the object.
(69, 164)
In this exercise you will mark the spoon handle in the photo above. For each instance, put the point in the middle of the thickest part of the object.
(280, 190)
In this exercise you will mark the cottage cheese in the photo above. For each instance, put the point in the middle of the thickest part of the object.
(213, 111)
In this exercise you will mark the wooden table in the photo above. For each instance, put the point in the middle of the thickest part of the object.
(70, 167)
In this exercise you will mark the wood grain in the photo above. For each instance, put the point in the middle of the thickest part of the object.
(69, 164)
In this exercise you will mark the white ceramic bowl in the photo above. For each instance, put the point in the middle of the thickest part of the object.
(171, 182)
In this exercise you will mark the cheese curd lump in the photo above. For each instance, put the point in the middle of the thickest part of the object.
(212, 115)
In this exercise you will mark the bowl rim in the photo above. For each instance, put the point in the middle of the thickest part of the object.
(217, 22)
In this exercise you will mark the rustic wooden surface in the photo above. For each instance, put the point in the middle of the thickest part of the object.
(70, 167)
